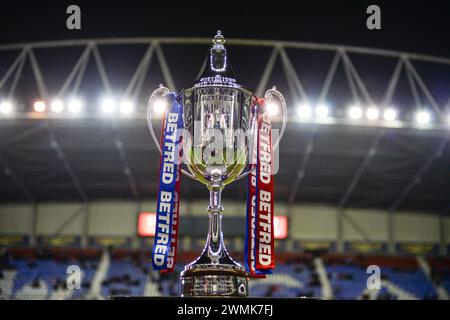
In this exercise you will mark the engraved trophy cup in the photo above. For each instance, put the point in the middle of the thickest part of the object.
(217, 111)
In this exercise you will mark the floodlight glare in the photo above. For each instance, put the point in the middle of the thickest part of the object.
(57, 106)
(272, 108)
(372, 113)
(159, 106)
(423, 117)
(108, 105)
(126, 107)
(39, 106)
(304, 111)
(6, 107)
(390, 114)
(322, 111)
(355, 113)
(75, 106)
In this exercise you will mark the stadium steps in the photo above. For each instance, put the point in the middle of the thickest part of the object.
(61, 294)
(391, 288)
(327, 290)
(7, 283)
(399, 292)
(28, 292)
(100, 275)
(425, 266)
(151, 287)
(442, 293)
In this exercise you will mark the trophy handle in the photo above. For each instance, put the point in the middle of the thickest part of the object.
(269, 97)
(159, 93)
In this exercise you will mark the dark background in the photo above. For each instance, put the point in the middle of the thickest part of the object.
(417, 26)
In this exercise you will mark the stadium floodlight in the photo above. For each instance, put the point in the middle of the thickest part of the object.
(108, 105)
(390, 114)
(423, 117)
(355, 112)
(272, 108)
(75, 106)
(304, 111)
(372, 113)
(159, 106)
(39, 106)
(57, 106)
(6, 107)
(126, 107)
(322, 111)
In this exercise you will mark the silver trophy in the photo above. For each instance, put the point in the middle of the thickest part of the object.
(220, 118)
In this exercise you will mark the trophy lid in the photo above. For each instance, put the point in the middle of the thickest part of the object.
(217, 69)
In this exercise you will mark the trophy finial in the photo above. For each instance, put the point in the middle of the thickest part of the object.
(218, 38)
(216, 63)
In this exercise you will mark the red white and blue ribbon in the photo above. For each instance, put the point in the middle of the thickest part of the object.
(250, 235)
(166, 233)
(259, 243)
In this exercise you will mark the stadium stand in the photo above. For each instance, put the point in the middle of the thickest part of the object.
(127, 275)
(401, 277)
(30, 274)
(41, 274)
(440, 275)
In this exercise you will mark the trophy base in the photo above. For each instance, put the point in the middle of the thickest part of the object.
(214, 281)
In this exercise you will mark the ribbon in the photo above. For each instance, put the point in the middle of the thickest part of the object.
(251, 216)
(259, 244)
(264, 249)
(171, 257)
(166, 230)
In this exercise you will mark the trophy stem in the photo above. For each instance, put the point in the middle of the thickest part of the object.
(214, 273)
(215, 209)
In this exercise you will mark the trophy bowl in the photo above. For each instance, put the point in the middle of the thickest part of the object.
(220, 125)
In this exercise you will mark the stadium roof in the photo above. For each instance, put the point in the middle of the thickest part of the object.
(337, 160)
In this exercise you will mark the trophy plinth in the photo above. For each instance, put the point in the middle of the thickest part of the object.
(220, 280)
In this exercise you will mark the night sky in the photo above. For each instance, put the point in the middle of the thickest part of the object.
(417, 26)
